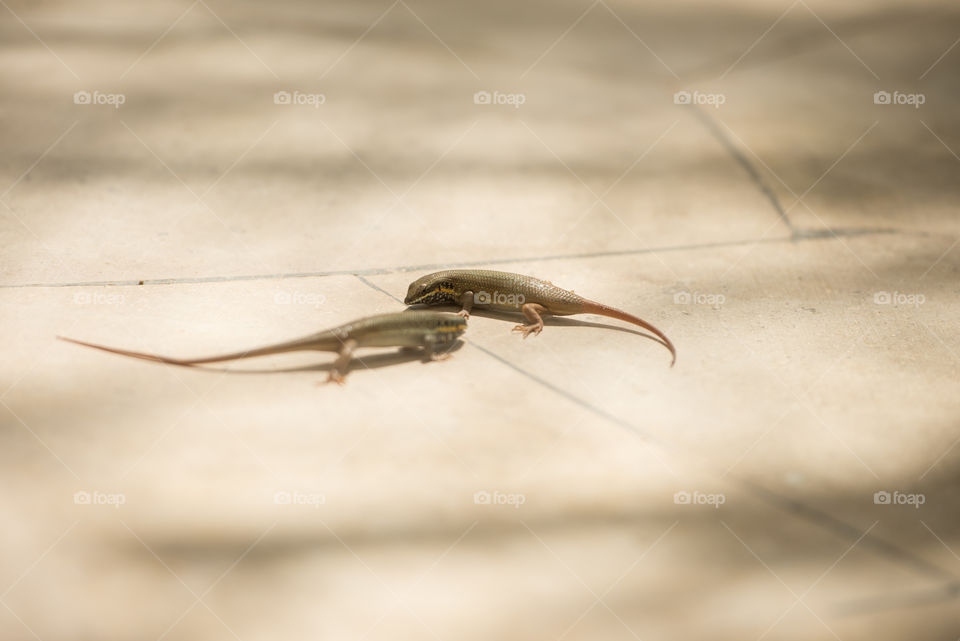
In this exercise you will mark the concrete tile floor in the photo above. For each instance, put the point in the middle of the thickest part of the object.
(761, 235)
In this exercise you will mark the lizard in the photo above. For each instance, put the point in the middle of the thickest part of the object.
(409, 330)
(505, 291)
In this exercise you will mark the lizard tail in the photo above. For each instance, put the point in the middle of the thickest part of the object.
(263, 351)
(591, 307)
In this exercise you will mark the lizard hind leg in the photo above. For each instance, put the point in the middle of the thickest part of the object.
(531, 312)
(339, 369)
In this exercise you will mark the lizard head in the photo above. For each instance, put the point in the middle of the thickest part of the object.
(432, 289)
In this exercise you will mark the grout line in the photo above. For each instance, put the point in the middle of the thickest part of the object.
(200, 279)
(912, 598)
(649, 438)
(744, 162)
(797, 235)
(796, 508)
(377, 288)
(843, 529)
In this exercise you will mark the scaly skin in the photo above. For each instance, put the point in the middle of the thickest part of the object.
(507, 292)
(428, 330)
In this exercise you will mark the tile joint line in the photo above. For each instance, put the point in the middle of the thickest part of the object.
(795, 236)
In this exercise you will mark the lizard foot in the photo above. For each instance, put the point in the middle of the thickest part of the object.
(440, 356)
(528, 329)
(335, 377)
(464, 313)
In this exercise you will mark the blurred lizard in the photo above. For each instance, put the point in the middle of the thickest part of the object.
(418, 329)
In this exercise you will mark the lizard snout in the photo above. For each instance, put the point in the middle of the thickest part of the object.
(412, 294)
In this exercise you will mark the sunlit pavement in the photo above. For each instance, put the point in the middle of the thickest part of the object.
(774, 185)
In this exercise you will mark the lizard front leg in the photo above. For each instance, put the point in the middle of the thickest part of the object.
(339, 369)
(531, 312)
(466, 304)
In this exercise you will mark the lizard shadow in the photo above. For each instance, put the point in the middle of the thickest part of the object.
(548, 320)
(358, 362)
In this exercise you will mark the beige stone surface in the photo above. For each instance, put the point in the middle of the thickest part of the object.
(798, 243)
